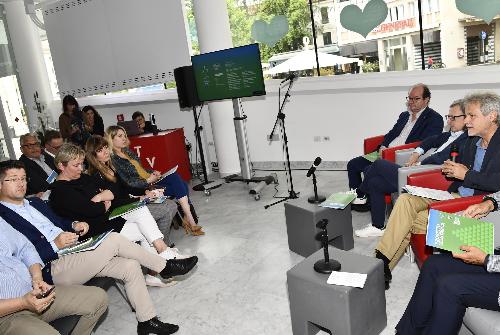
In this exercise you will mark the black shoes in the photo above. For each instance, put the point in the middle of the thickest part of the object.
(178, 267)
(387, 271)
(155, 326)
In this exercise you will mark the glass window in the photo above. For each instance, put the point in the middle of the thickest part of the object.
(327, 38)
(324, 15)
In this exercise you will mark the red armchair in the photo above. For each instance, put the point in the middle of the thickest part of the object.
(436, 180)
(372, 144)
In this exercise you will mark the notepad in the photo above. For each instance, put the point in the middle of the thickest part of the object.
(347, 279)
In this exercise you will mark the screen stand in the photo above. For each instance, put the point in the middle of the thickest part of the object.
(244, 154)
(197, 130)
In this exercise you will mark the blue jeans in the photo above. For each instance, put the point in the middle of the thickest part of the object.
(174, 186)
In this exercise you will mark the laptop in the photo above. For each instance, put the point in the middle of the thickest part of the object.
(131, 127)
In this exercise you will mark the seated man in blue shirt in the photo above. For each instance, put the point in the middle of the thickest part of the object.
(382, 176)
(476, 171)
(452, 285)
(22, 308)
(115, 257)
(418, 122)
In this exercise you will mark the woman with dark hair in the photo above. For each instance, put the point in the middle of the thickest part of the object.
(71, 124)
(80, 197)
(93, 122)
(98, 156)
(130, 169)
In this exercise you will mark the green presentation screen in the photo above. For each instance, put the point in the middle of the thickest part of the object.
(230, 73)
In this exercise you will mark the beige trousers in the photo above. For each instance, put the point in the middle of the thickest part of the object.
(117, 258)
(408, 216)
(87, 301)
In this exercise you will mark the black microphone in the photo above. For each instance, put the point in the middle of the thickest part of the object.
(291, 76)
(315, 164)
(453, 152)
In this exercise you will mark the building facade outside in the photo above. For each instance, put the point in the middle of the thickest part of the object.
(451, 39)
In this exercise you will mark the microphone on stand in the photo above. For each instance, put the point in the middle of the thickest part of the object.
(454, 152)
(291, 76)
(315, 199)
(313, 167)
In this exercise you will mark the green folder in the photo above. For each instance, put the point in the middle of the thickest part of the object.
(338, 200)
(449, 231)
(372, 156)
(125, 209)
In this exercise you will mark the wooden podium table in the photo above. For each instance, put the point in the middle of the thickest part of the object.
(163, 151)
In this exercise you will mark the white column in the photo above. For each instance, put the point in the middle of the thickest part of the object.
(214, 33)
(28, 55)
(452, 35)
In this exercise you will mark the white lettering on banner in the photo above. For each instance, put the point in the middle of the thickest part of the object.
(151, 162)
(138, 150)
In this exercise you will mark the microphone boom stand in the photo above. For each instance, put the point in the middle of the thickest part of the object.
(200, 187)
(280, 118)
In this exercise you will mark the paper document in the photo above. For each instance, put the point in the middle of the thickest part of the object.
(429, 193)
(86, 245)
(372, 156)
(449, 231)
(347, 279)
(166, 174)
(156, 200)
(339, 200)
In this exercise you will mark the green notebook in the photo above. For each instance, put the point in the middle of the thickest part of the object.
(338, 200)
(372, 156)
(86, 245)
(449, 231)
(125, 209)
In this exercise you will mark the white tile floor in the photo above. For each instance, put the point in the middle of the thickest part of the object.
(239, 285)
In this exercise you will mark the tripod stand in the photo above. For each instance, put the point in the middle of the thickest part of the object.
(197, 130)
(280, 119)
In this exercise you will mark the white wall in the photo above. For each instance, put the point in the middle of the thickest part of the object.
(345, 108)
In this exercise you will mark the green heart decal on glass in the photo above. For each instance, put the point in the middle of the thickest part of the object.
(363, 21)
(484, 9)
(271, 33)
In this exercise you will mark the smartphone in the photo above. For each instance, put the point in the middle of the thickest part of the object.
(46, 293)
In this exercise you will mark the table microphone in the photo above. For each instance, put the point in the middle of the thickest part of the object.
(313, 167)
(453, 152)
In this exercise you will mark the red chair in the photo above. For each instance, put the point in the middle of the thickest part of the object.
(436, 180)
(372, 144)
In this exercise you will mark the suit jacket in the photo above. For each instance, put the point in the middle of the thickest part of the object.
(429, 123)
(37, 176)
(487, 180)
(41, 244)
(438, 140)
(49, 160)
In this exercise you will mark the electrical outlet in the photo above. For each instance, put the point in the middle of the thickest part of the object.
(275, 137)
(326, 138)
(317, 138)
(211, 144)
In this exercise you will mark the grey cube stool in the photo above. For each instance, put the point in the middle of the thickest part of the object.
(340, 309)
(301, 218)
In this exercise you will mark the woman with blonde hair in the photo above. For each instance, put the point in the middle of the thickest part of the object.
(80, 197)
(131, 171)
(99, 163)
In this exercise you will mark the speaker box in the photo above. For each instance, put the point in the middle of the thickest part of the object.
(186, 87)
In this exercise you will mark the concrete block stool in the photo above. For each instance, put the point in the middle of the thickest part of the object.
(301, 218)
(340, 309)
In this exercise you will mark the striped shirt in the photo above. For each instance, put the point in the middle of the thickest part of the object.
(17, 254)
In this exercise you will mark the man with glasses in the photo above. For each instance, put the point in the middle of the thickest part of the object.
(37, 169)
(53, 142)
(382, 176)
(418, 122)
(475, 172)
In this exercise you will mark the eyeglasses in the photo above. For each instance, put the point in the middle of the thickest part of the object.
(17, 180)
(416, 99)
(452, 117)
(31, 145)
